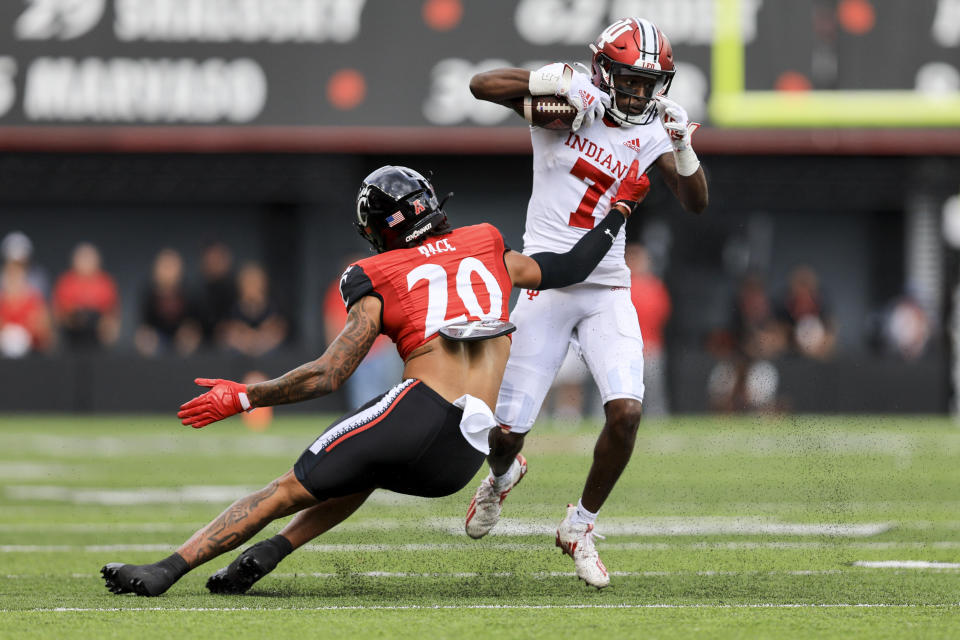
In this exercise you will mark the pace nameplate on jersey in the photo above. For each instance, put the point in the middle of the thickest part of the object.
(477, 330)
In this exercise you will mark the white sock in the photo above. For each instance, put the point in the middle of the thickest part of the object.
(582, 516)
(502, 482)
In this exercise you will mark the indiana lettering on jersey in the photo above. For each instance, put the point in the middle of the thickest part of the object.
(433, 248)
(595, 152)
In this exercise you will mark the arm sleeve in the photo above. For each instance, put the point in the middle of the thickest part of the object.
(354, 284)
(564, 269)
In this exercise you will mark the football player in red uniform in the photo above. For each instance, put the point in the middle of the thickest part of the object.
(428, 435)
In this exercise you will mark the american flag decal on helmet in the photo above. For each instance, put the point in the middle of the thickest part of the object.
(395, 219)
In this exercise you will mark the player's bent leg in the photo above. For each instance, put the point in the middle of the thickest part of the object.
(237, 524)
(320, 518)
(260, 559)
(504, 447)
(612, 451)
(245, 517)
(575, 534)
(505, 473)
(544, 325)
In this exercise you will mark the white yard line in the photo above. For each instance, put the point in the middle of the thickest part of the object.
(762, 605)
(117, 497)
(369, 525)
(494, 574)
(12, 470)
(643, 526)
(98, 447)
(684, 526)
(95, 527)
(509, 546)
(634, 546)
(832, 442)
(220, 494)
(905, 564)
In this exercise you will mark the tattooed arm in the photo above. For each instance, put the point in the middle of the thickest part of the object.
(326, 373)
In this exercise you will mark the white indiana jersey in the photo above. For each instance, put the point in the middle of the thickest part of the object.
(575, 175)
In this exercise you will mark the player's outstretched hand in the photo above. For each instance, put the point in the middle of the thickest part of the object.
(225, 398)
(585, 97)
(677, 123)
(633, 188)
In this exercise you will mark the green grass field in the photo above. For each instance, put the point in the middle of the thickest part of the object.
(720, 528)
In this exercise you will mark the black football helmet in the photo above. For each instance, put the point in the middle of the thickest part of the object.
(396, 208)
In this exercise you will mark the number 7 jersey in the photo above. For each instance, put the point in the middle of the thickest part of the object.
(444, 280)
(575, 174)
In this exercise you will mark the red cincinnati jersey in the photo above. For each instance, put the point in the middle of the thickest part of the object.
(455, 277)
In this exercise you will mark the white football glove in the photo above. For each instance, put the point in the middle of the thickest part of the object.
(586, 98)
(576, 88)
(677, 124)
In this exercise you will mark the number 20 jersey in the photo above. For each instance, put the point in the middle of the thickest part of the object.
(455, 277)
(575, 175)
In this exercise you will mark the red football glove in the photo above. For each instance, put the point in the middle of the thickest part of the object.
(632, 189)
(225, 398)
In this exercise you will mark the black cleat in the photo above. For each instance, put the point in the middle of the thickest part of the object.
(141, 579)
(241, 574)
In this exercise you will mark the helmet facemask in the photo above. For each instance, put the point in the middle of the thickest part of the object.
(632, 90)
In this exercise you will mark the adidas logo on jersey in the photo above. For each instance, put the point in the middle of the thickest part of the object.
(586, 98)
(633, 144)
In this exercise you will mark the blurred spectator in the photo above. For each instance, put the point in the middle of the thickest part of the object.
(86, 305)
(255, 326)
(757, 333)
(381, 367)
(217, 292)
(166, 322)
(24, 318)
(652, 302)
(745, 378)
(260, 418)
(807, 316)
(17, 247)
(906, 328)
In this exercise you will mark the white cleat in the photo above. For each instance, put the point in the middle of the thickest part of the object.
(576, 540)
(484, 510)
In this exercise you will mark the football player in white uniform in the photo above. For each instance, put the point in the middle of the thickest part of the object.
(624, 115)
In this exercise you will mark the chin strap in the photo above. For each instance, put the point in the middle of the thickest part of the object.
(444, 201)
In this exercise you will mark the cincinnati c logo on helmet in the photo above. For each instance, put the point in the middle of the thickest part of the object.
(363, 203)
(418, 207)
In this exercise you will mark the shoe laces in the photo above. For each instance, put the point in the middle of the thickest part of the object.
(592, 533)
(588, 537)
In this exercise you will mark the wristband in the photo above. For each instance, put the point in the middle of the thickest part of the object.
(687, 161)
(550, 80)
(245, 401)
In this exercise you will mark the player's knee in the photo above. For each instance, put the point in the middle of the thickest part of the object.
(623, 416)
(288, 492)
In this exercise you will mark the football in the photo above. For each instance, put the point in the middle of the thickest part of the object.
(548, 112)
